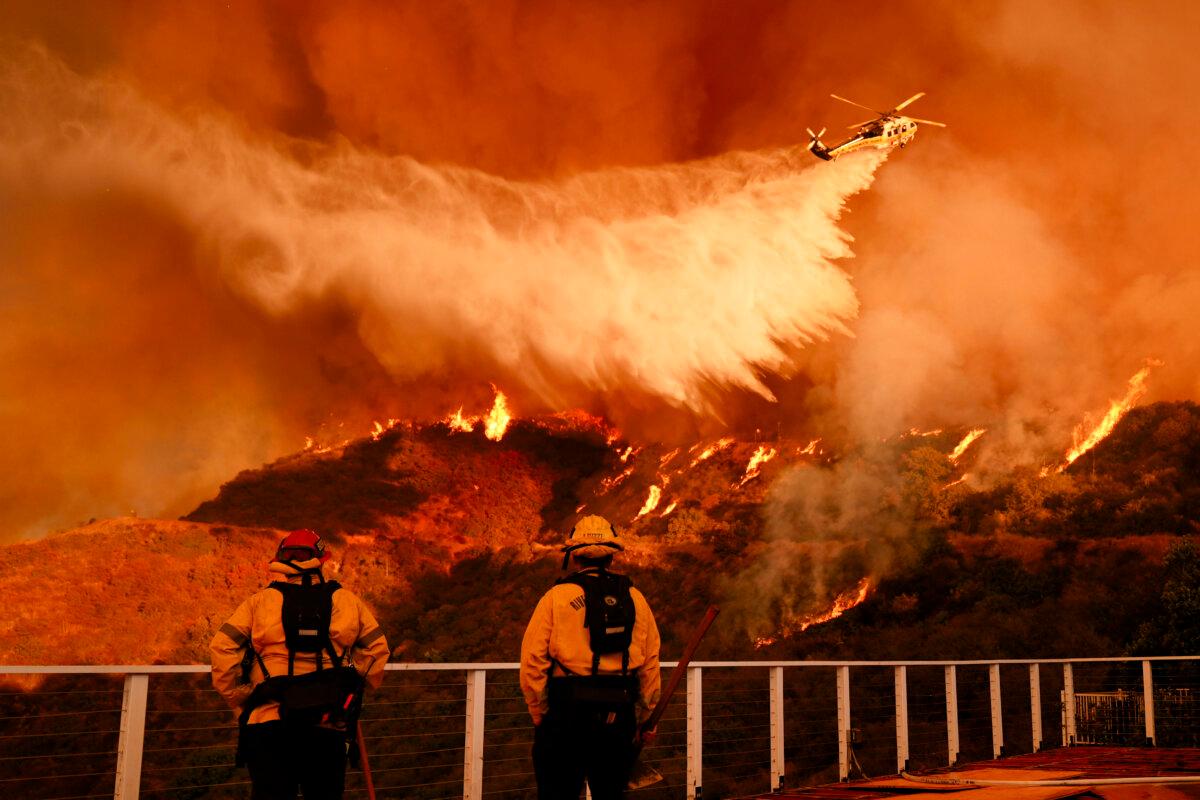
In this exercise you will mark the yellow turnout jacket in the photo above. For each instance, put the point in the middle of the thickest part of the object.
(556, 632)
(258, 622)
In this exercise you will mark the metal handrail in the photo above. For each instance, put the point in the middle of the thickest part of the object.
(137, 678)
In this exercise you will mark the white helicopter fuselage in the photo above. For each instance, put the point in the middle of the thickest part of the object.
(882, 135)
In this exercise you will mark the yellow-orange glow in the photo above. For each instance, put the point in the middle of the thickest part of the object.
(958, 481)
(628, 453)
(309, 443)
(1117, 409)
(966, 442)
(811, 449)
(497, 420)
(608, 484)
(761, 456)
(712, 450)
(919, 432)
(843, 603)
(458, 422)
(662, 462)
(651, 501)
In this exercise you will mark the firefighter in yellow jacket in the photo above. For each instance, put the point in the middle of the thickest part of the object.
(297, 626)
(589, 671)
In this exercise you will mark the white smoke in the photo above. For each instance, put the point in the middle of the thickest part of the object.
(673, 280)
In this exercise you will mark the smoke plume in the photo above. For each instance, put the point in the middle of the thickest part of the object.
(225, 228)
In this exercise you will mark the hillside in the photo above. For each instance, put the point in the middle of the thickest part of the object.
(440, 529)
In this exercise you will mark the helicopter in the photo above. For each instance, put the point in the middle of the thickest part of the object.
(890, 129)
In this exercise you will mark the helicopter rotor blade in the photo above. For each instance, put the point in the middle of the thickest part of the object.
(928, 122)
(860, 105)
(909, 101)
(859, 125)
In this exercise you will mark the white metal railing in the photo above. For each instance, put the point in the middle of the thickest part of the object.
(767, 677)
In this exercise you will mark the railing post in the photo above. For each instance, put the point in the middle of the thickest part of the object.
(997, 710)
(1068, 705)
(695, 733)
(777, 762)
(1148, 701)
(1035, 705)
(473, 746)
(843, 716)
(133, 736)
(952, 714)
(901, 719)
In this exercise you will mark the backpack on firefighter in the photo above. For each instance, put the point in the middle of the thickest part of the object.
(609, 615)
(330, 695)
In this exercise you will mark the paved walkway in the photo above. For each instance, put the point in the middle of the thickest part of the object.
(1074, 763)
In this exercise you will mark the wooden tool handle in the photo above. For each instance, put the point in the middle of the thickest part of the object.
(680, 669)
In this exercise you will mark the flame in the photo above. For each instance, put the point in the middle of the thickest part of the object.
(651, 501)
(761, 456)
(962, 446)
(810, 450)
(309, 443)
(497, 420)
(608, 484)
(919, 432)
(669, 509)
(458, 422)
(1116, 410)
(956, 482)
(712, 449)
(662, 462)
(629, 452)
(843, 603)
(580, 507)
(378, 428)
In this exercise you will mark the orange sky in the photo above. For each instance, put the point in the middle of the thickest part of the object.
(1012, 270)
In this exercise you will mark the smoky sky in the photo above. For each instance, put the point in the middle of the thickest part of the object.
(199, 266)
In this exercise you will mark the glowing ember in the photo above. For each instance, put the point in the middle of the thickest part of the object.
(662, 462)
(1116, 410)
(496, 421)
(651, 501)
(919, 432)
(844, 602)
(956, 482)
(811, 449)
(761, 456)
(580, 507)
(962, 446)
(712, 450)
(608, 483)
(669, 509)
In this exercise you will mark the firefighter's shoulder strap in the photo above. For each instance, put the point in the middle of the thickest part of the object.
(307, 614)
(609, 614)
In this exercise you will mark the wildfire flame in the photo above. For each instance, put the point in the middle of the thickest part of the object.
(761, 456)
(966, 442)
(712, 449)
(919, 432)
(607, 484)
(843, 603)
(811, 449)
(1116, 410)
(496, 421)
(651, 501)
(958, 481)
(669, 509)
(662, 462)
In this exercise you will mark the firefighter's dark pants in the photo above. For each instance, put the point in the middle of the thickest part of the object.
(285, 758)
(580, 741)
